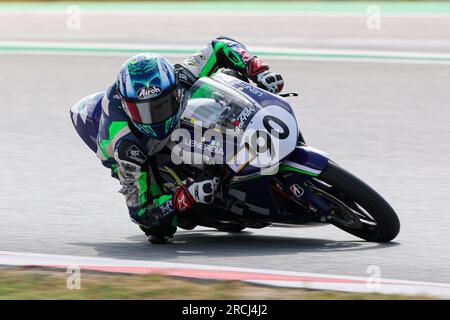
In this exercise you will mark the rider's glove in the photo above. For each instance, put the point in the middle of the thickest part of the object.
(201, 191)
(204, 191)
(270, 81)
(258, 71)
(255, 67)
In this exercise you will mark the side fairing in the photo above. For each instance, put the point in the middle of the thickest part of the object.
(306, 160)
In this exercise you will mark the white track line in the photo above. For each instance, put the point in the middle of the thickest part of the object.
(260, 276)
(195, 46)
(120, 49)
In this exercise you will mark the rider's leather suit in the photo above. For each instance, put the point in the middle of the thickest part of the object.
(130, 155)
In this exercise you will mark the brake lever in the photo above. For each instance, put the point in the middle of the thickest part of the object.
(288, 94)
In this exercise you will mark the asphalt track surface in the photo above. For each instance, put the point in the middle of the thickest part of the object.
(388, 123)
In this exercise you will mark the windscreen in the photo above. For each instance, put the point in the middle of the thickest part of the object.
(214, 105)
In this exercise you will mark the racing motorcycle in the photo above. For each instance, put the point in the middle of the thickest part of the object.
(295, 185)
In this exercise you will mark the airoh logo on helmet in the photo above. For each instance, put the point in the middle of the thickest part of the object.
(148, 92)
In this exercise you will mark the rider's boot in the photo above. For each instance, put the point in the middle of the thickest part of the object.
(155, 237)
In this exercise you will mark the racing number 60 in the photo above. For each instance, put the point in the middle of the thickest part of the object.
(268, 126)
(271, 136)
(262, 140)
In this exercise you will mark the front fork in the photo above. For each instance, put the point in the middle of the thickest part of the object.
(296, 172)
(294, 187)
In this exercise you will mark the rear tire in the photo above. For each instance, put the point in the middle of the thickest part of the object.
(387, 222)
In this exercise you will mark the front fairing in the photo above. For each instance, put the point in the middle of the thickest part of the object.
(223, 112)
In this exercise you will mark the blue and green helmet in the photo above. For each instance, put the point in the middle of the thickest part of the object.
(148, 89)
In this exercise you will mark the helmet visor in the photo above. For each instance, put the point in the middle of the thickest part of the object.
(154, 111)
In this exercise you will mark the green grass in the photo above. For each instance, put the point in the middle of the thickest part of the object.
(45, 284)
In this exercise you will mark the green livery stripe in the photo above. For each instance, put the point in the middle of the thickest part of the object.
(143, 188)
(115, 128)
(247, 180)
(284, 167)
(149, 129)
(154, 189)
(211, 63)
(167, 124)
(202, 92)
(103, 145)
(141, 212)
(237, 61)
(156, 202)
(174, 221)
(162, 199)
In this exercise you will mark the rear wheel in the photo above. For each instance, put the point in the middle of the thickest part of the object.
(356, 207)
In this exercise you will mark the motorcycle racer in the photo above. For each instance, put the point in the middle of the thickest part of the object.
(133, 121)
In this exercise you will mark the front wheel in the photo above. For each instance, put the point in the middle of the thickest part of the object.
(356, 207)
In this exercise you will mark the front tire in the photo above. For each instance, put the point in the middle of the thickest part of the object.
(382, 223)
